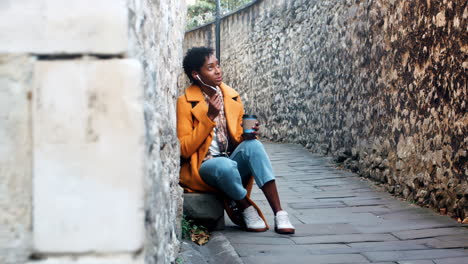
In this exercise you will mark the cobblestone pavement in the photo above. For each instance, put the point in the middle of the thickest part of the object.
(341, 218)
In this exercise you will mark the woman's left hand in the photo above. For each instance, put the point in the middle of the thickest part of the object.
(254, 134)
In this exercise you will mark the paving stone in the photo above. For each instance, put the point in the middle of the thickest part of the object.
(433, 232)
(260, 240)
(388, 245)
(385, 226)
(415, 254)
(462, 260)
(344, 217)
(316, 259)
(324, 229)
(343, 238)
(351, 197)
(234, 232)
(436, 243)
(408, 216)
(114, 259)
(245, 250)
(369, 202)
(49, 26)
(362, 218)
(305, 189)
(416, 262)
(344, 210)
(310, 205)
(458, 237)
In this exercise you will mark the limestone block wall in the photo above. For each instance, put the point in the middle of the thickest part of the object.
(16, 79)
(72, 27)
(381, 85)
(88, 151)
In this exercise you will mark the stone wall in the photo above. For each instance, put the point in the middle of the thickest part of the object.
(380, 85)
(156, 34)
(88, 150)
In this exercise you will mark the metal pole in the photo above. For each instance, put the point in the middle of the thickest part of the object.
(218, 31)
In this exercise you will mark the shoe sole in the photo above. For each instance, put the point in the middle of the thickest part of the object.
(285, 231)
(256, 229)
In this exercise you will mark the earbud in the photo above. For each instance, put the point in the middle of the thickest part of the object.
(198, 77)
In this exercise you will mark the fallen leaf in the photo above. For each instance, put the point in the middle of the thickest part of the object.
(200, 238)
(202, 241)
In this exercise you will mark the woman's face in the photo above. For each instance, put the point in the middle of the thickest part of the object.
(210, 72)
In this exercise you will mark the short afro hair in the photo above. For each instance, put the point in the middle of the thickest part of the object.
(194, 60)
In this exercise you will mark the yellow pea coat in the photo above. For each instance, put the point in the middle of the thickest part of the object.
(195, 133)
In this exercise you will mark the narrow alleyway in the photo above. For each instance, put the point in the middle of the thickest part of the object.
(341, 218)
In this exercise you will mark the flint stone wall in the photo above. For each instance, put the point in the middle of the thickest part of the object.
(156, 35)
(89, 159)
(380, 85)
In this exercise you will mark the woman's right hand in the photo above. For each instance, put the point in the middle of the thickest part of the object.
(214, 106)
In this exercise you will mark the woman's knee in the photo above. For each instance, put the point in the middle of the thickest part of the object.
(225, 168)
(253, 145)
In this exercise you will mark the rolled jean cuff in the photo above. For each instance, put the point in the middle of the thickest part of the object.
(237, 195)
(262, 181)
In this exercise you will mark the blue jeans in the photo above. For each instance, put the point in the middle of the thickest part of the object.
(231, 174)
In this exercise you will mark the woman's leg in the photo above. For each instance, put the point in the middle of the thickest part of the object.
(222, 173)
(252, 159)
(271, 193)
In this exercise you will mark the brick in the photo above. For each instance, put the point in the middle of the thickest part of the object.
(55, 26)
(88, 156)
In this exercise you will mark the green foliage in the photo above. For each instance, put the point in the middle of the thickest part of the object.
(200, 13)
(179, 260)
(231, 5)
(204, 11)
(197, 233)
(186, 227)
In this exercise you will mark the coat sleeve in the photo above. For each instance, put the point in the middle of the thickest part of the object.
(191, 136)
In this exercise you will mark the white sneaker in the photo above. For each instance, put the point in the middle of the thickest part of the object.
(282, 224)
(253, 222)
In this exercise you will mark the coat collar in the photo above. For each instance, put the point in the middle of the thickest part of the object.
(195, 94)
(232, 105)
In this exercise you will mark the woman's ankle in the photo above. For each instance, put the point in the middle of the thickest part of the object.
(243, 204)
